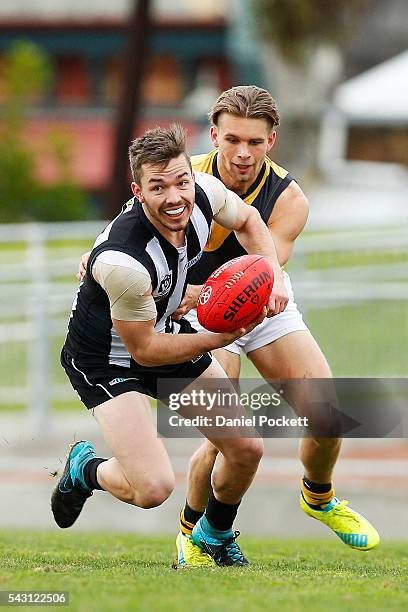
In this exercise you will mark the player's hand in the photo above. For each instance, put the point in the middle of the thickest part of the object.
(82, 266)
(188, 302)
(279, 296)
(231, 336)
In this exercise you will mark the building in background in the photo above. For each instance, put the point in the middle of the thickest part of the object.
(374, 108)
(197, 49)
(187, 69)
(363, 150)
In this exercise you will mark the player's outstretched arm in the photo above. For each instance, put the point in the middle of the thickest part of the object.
(149, 348)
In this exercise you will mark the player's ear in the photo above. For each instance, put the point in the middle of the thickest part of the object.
(136, 191)
(271, 140)
(214, 135)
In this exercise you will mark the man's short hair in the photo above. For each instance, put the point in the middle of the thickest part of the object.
(157, 146)
(247, 101)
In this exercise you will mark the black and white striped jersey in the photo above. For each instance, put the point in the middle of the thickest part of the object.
(91, 338)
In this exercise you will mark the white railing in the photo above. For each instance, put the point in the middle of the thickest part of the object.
(34, 309)
(37, 281)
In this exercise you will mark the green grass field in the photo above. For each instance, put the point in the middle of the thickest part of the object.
(127, 572)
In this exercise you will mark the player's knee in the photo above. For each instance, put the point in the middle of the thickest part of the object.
(210, 452)
(249, 452)
(254, 450)
(206, 455)
(155, 492)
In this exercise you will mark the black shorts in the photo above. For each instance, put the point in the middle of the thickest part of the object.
(97, 385)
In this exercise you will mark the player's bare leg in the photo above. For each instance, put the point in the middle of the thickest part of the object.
(139, 472)
(202, 462)
(236, 461)
(230, 362)
(198, 484)
(239, 455)
(293, 356)
(297, 356)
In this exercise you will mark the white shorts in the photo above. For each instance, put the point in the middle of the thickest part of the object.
(290, 320)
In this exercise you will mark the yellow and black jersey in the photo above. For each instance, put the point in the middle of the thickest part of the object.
(222, 244)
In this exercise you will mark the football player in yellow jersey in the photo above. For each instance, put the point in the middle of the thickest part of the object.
(243, 122)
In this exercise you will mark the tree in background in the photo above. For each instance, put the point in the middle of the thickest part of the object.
(26, 73)
(297, 26)
(303, 43)
(129, 105)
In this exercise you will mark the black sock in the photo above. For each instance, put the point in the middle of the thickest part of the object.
(317, 494)
(90, 473)
(316, 487)
(220, 515)
(192, 516)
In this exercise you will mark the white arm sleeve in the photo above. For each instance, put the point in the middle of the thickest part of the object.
(126, 283)
(224, 203)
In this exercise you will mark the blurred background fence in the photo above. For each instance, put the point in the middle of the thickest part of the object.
(351, 286)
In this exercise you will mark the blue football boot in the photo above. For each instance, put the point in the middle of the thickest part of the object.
(220, 545)
(71, 492)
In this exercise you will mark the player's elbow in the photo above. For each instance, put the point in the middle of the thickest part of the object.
(145, 358)
(249, 220)
(142, 352)
(254, 218)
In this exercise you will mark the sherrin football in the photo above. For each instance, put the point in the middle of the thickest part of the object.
(235, 293)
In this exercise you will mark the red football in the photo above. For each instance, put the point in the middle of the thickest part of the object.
(235, 293)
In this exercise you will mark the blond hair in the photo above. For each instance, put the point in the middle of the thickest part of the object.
(157, 146)
(247, 101)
